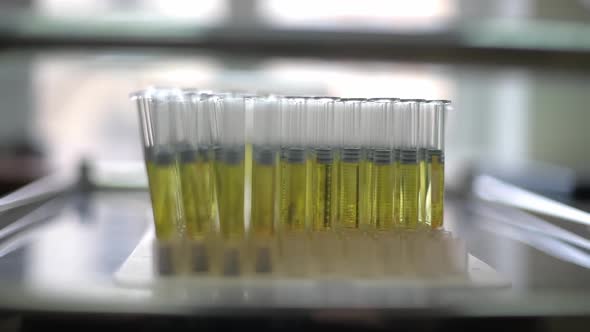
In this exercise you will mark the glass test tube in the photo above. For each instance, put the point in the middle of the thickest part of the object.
(229, 138)
(324, 172)
(409, 165)
(435, 112)
(196, 167)
(294, 193)
(249, 100)
(159, 113)
(384, 167)
(397, 126)
(350, 160)
(265, 140)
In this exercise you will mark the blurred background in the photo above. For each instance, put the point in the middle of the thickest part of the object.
(517, 71)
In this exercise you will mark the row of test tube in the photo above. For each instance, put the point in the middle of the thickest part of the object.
(233, 164)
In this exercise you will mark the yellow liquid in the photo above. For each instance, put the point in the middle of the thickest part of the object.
(248, 162)
(313, 196)
(366, 219)
(335, 218)
(294, 198)
(349, 194)
(230, 197)
(384, 188)
(198, 197)
(324, 198)
(423, 180)
(309, 163)
(263, 198)
(409, 180)
(166, 200)
(397, 203)
(437, 190)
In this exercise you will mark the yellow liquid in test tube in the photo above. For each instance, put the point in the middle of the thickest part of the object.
(230, 175)
(436, 192)
(293, 192)
(384, 189)
(366, 218)
(165, 193)
(323, 190)
(423, 180)
(396, 190)
(349, 188)
(409, 174)
(263, 193)
(198, 193)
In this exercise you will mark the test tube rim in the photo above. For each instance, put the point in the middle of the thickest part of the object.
(196, 92)
(167, 95)
(384, 99)
(324, 97)
(139, 94)
(413, 100)
(443, 101)
(148, 93)
(232, 94)
(295, 97)
(352, 99)
(265, 98)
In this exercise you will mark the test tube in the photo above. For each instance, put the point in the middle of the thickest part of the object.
(229, 138)
(159, 113)
(409, 165)
(265, 140)
(384, 166)
(196, 167)
(324, 172)
(350, 160)
(294, 191)
(397, 126)
(435, 159)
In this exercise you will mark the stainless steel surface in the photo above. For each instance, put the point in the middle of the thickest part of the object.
(38, 190)
(67, 263)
